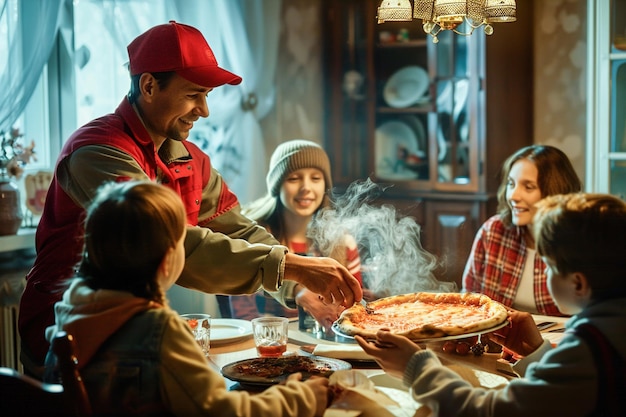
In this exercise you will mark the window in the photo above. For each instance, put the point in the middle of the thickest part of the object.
(86, 74)
(607, 85)
(33, 122)
(102, 30)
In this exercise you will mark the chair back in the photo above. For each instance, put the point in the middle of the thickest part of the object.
(75, 394)
(21, 395)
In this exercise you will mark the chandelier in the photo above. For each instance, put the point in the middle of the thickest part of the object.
(438, 15)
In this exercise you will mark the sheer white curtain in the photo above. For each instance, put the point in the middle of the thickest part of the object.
(244, 36)
(31, 27)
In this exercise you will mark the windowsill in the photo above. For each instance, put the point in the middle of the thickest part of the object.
(24, 239)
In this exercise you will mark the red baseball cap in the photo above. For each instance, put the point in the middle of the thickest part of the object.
(181, 48)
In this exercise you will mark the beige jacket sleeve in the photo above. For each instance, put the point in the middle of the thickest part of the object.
(190, 387)
(230, 254)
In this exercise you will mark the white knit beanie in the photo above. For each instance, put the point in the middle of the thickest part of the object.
(293, 155)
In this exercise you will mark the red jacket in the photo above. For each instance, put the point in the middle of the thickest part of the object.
(59, 241)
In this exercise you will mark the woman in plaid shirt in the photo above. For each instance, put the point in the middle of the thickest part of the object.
(504, 264)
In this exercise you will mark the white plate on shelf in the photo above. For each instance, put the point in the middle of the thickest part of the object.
(229, 330)
(406, 87)
(390, 136)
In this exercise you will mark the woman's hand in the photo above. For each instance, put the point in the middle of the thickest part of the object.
(392, 352)
(521, 337)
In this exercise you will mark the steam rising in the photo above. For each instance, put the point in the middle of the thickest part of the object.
(393, 260)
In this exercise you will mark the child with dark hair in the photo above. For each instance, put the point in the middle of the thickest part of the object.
(136, 355)
(582, 240)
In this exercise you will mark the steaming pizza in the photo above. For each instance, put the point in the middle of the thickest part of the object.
(423, 315)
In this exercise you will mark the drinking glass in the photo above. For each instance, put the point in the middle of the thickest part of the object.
(270, 335)
(201, 328)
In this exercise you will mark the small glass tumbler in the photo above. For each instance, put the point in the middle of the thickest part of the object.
(270, 335)
(307, 323)
(201, 328)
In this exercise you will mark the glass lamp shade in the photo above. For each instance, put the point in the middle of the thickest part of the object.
(500, 11)
(394, 11)
(476, 11)
(450, 10)
(437, 15)
(450, 13)
(424, 9)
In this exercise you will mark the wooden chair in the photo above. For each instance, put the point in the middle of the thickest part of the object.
(223, 302)
(21, 395)
(75, 394)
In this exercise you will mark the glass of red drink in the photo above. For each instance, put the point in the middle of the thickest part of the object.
(270, 335)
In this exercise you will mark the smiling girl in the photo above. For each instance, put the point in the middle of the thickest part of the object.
(504, 264)
(298, 183)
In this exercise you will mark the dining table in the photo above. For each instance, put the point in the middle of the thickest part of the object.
(488, 370)
(244, 348)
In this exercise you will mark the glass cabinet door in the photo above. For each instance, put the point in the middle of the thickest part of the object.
(425, 96)
(402, 92)
(452, 109)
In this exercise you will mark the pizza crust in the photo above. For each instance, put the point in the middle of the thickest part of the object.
(422, 315)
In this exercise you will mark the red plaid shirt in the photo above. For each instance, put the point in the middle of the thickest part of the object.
(495, 266)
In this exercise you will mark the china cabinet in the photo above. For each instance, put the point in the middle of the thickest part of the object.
(606, 152)
(433, 120)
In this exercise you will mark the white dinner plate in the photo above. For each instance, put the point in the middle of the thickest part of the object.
(389, 137)
(229, 330)
(406, 86)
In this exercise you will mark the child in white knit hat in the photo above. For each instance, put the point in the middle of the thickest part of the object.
(298, 185)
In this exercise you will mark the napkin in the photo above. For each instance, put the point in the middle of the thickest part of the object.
(354, 352)
(356, 395)
(355, 392)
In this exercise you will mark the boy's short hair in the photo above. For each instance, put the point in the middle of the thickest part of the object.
(585, 233)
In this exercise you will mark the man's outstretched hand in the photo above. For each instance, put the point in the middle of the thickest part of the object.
(324, 276)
